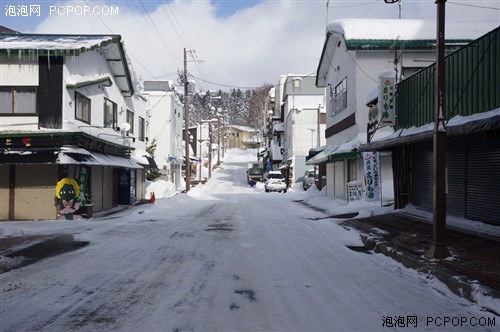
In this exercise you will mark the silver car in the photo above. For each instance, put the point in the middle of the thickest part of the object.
(308, 179)
(275, 182)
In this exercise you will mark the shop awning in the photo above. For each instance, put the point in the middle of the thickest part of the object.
(458, 125)
(75, 155)
(347, 149)
(65, 155)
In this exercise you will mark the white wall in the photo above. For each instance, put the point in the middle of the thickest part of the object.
(158, 106)
(165, 124)
(90, 66)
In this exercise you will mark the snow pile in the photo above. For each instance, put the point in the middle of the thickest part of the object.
(161, 188)
(7, 263)
(337, 206)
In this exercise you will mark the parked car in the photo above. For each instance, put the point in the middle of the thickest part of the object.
(308, 179)
(255, 174)
(275, 181)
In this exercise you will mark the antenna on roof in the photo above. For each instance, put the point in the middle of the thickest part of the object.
(326, 23)
(395, 1)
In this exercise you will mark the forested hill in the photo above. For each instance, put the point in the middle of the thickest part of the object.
(243, 108)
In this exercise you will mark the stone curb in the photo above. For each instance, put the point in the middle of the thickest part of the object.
(457, 283)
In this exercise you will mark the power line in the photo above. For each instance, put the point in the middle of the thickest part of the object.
(146, 36)
(470, 5)
(162, 39)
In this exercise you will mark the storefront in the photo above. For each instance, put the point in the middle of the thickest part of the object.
(29, 175)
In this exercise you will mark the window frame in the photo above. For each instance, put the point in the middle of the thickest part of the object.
(14, 90)
(79, 97)
(142, 129)
(130, 116)
(114, 115)
(338, 97)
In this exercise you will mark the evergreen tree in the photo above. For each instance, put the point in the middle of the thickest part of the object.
(152, 173)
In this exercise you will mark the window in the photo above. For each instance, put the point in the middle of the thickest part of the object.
(110, 114)
(18, 100)
(142, 129)
(82, 108)
(130, 121)
(338, 97)
(352, 169)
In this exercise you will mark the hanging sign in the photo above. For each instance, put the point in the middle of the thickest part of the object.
(386, 109)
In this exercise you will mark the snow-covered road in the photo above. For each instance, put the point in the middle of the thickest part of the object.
(225, 257)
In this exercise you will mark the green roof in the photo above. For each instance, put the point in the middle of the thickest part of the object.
(384, 44)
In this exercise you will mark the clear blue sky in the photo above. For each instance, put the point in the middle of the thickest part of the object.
(17, 14)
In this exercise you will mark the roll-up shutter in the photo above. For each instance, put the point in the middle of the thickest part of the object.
(456, 157)
(422, 175)
(483, 179)
(35, 192)
(107, 188)
(96, 185)
(4, 192)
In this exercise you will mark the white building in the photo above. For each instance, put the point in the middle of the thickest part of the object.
(69, 109)
(165, 125)
(302, 109)
(355, 52)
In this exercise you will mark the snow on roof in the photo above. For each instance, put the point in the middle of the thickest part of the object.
(68, 153)
(74, 45)
(244, 128)
(54, 42)
(456, 121)
(402, 29)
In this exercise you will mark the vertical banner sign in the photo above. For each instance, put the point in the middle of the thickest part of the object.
(386, 110)
(82, 180)
(372, 176)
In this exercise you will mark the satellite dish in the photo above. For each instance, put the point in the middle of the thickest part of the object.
(125, 128)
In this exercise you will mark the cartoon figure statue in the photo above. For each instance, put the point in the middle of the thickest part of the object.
(67, 190)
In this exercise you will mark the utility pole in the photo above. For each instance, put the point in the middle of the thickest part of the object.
(186, 124)
(438, 248)
(210, 149)
(318, 123)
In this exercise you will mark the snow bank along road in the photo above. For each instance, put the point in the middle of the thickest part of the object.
(225, 257)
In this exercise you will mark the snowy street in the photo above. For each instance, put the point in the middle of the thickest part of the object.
(224, 257)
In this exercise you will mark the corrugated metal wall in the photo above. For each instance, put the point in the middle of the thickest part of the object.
(472, 81)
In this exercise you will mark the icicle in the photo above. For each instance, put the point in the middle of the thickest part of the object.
(48, 61)
(19, 54)
(8, 53)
